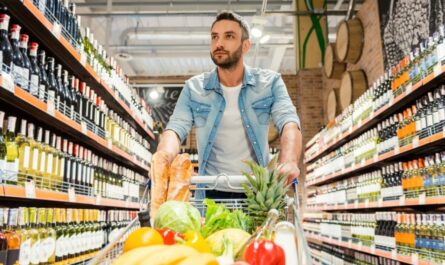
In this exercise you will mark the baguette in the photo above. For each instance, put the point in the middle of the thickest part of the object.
(179, 178)
(159, 179)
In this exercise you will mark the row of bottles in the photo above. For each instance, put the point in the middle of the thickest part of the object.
(407, 233)
(55, 163)
(425, 175)
(47, 235)
(46, 79)
(63, 13)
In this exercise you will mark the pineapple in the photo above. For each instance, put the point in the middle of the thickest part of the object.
(266, 191)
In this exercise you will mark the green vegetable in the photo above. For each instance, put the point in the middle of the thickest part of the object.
(218, 217)
(237, 238)
(178, 216)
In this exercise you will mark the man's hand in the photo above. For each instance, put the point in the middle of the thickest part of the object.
(292, 169)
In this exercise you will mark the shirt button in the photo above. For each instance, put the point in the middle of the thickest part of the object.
(254, 142)
(242, 110)
(248, 126)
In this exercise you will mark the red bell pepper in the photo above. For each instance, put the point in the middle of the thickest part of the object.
(169, 236)
(264, 252)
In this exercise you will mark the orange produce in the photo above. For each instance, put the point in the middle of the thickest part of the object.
(142, 237)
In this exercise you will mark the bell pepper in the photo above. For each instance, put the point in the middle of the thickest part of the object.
(195, 240)
(264, 252)
(169, 236)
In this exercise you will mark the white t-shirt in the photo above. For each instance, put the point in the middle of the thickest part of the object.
(232, 144)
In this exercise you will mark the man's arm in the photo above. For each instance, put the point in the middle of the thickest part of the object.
(291, 146)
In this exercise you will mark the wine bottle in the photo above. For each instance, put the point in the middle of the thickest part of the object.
(12, 153)
(5, 45)
(2, 145)
(61, 97)
(52, 88)
(24, 153)
(43, 77)
(72, 91)
(17, 58)
(26, 65)
(69, 107)
(34, 69)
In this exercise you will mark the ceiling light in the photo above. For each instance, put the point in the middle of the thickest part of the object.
(154, 94)
(265, 39)
(257, 31)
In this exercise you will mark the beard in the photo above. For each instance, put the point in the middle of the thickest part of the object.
(230, 61)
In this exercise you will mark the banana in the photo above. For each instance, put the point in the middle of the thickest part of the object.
(169, 256)
(199, 259)
(136, 255)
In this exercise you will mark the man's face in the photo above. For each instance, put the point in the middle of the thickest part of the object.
(227, 46)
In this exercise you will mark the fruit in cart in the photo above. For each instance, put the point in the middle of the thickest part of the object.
(142, 237)
(178, 216)
(171, 255)
(135, 256)
(267, 190)
(237, 237)
(200, 259)
(170, 236)
(195, 240)
(264, 252)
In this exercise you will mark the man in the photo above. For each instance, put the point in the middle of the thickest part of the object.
(230, 108)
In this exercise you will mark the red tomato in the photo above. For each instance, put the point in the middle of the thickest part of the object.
(169, 236)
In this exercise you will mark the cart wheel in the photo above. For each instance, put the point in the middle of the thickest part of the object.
(144, 218)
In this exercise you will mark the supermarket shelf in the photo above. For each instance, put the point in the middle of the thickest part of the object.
(18, 192)
(27, 14)
(77, 260)
(39, 110)
(413, 92)
(382, 204)
(416, 146)
(374, 251)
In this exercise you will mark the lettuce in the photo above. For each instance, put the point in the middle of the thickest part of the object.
(178, 216)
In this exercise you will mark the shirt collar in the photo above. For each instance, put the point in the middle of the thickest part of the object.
(212, 82)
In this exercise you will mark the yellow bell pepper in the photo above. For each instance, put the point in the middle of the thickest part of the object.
(195, 240)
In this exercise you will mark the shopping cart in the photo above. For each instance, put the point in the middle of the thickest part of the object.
(114, 248)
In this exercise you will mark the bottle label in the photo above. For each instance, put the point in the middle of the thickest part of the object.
(51, 96)
(34, 85)
(442, 114)
(68, 170)
(49, 164)
(12, 166)
(59, 249)
(42, 161)
(42, 89)
(48, 246)
(25, 252)
(25, 76)
(17, 73)
(2, 165)
(436, 118)
(26, 157)
(62, 167)
(35, 252)
(429, 120)
(35, 159)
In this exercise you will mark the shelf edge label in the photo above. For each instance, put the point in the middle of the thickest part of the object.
(71, 194)
(30, 190)
(56, 30)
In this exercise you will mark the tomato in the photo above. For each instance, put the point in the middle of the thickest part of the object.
(169, 236)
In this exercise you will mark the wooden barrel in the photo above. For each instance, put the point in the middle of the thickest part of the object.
(332, 68)
(353, 85)
(332, 107)
(350, 39)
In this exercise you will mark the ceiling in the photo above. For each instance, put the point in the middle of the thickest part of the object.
(165, 38)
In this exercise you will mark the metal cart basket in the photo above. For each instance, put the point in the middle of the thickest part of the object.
(114, 248)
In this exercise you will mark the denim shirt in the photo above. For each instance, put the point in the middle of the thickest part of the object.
(201, 104)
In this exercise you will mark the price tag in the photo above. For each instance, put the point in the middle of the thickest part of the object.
(356, 204)
(57, 30)
(375, 158)
(437, 69)
(414, 258)
(367, 203)
(380, 202)
(402, 200)
(422, 198)
(336, 206)
(394, 254)
(71, 195)
(98, 199)
(409, 88)
(360, 245)
(416, 141)
(7, 82)
(30, 190)
(349, 243)
(51, 108)
(83, 58)
(345, 205)
(127, 203)
(373, 249)
(397, 149)
(83, 127)
(110, 144)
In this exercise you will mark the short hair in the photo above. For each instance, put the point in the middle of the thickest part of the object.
(228, 15)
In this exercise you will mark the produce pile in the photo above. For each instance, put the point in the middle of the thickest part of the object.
(181, 236)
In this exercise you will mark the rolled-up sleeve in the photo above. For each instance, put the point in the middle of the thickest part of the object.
(283, 110)
(181, 120)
